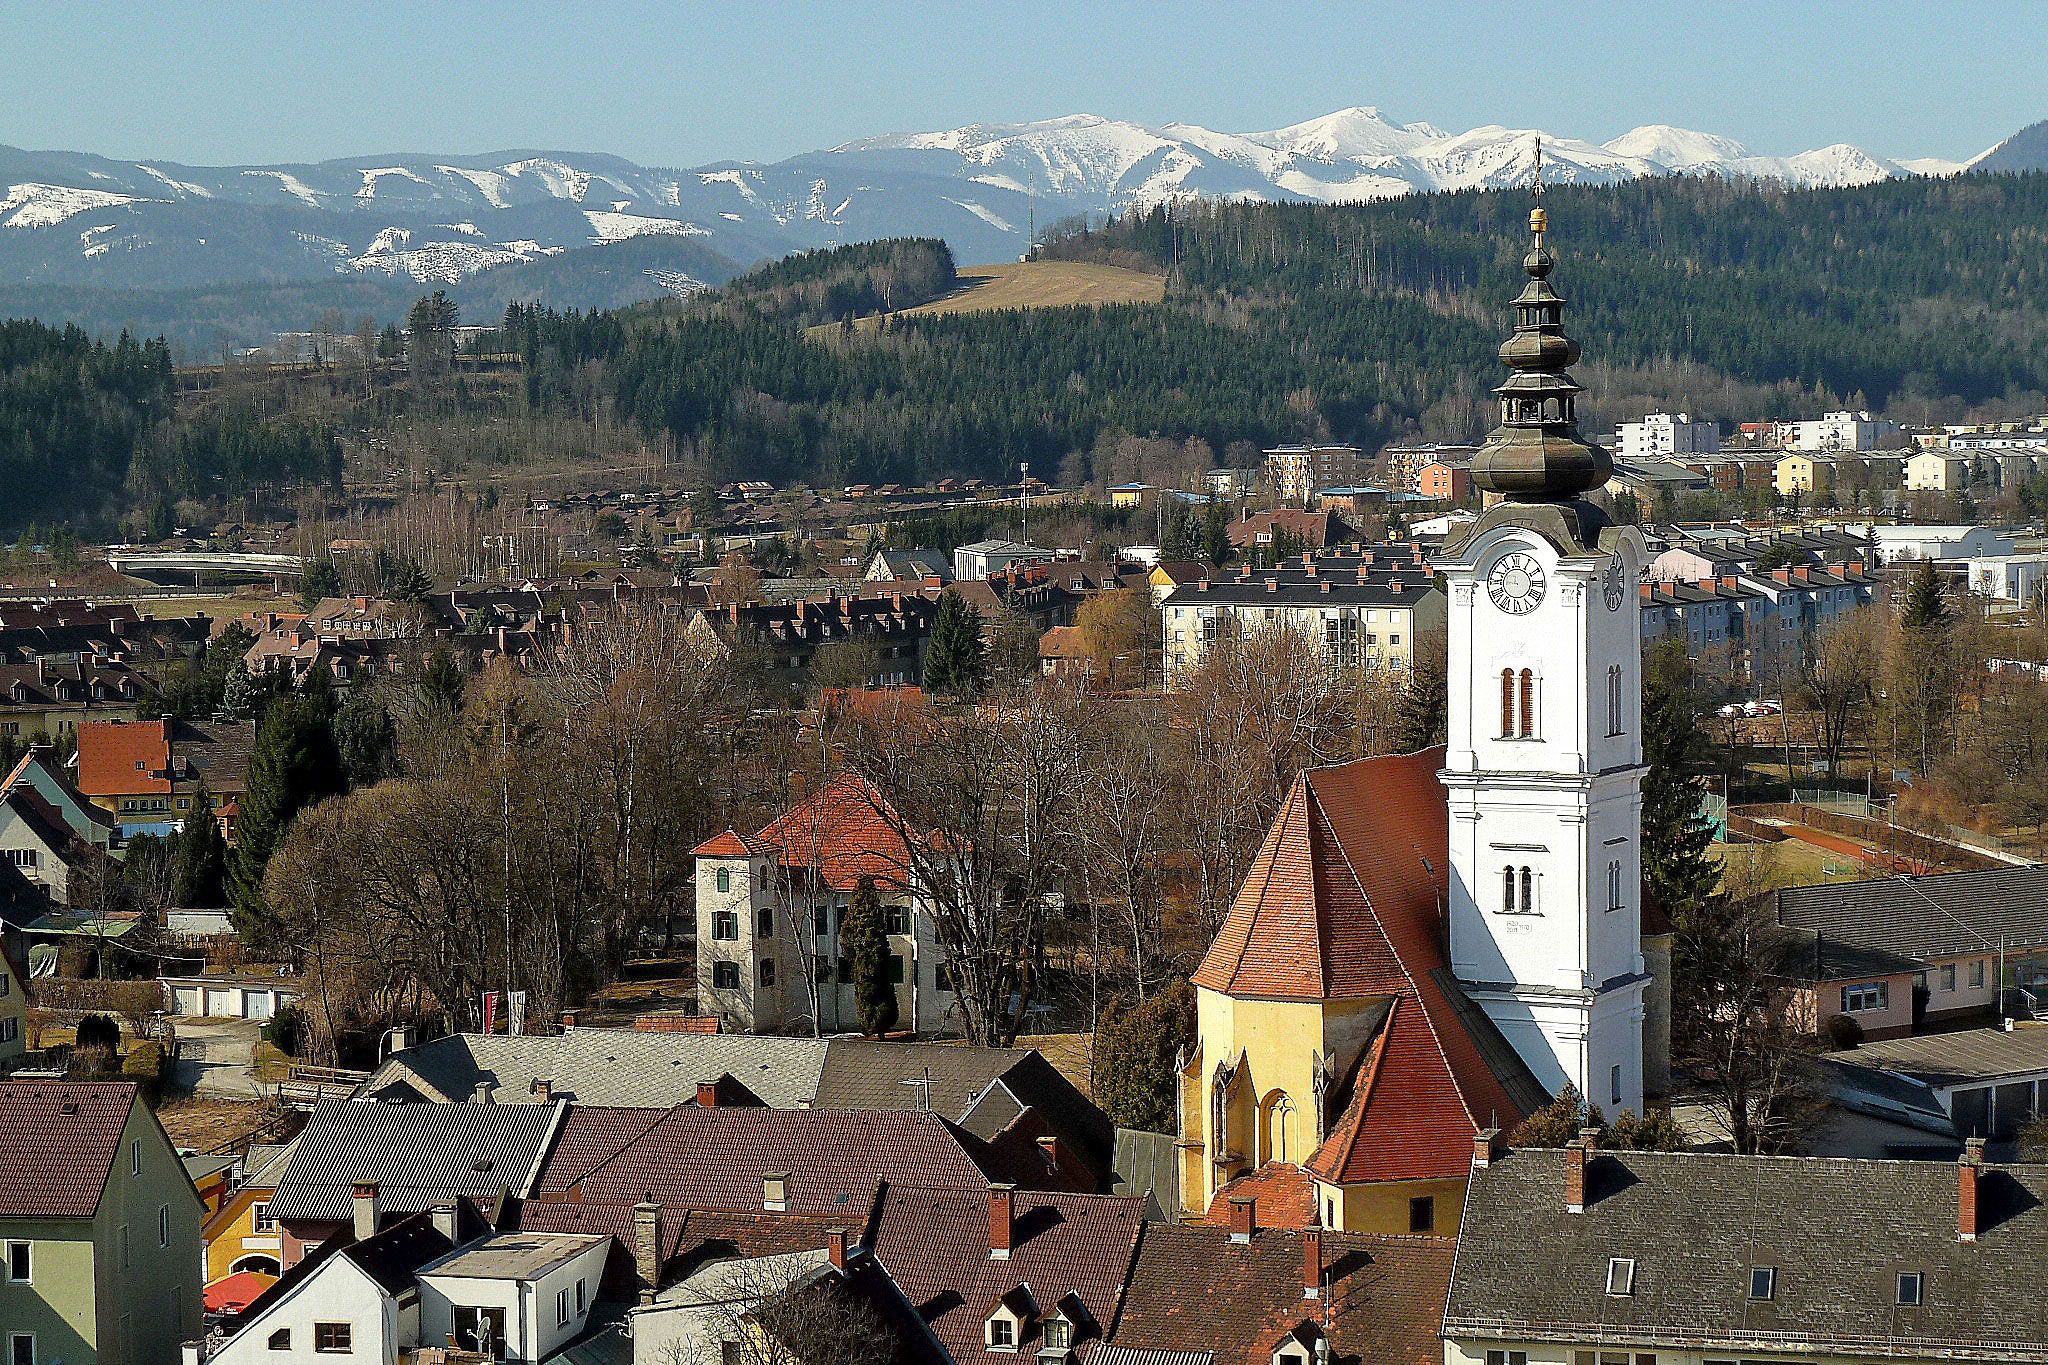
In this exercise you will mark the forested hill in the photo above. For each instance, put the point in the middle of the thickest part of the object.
(1918, 288)
(1370, 322)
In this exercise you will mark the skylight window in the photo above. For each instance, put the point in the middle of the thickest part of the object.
(1911, 1288)
(1763, 1282)
(1621, 1276)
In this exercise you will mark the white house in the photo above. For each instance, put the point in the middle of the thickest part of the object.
(1896, 543)
(518, 1295)
(1663, 435)
(1840, 431)
(2008, 579)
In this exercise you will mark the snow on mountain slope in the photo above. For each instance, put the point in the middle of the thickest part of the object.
(976, 186)
(1675, 148)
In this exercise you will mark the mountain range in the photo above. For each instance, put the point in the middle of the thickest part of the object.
(72, 221)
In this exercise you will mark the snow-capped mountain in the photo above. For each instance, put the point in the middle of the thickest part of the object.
(79, 220)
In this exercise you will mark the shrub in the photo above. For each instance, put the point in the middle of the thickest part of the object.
(1137, 1056)
(146, 1065)
(1842, 1032)
(286, 1030)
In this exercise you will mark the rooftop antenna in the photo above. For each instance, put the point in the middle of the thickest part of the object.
(923, 1085)
(1031, 212)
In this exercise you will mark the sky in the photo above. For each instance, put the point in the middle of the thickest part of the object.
(681, 84)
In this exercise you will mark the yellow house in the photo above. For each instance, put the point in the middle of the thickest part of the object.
(239, 1234)
(1340, 1074)
(13, 1011)
(1805, 474)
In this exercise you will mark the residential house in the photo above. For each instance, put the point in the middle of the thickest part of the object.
(1664, 435)
(1584, 1255)
(1401, 465)
(99, 1228)
(147, 773)
(38, 771)
(1362, 610)
(1296, 471)
(979, 559)
(1168, 574)
(1801, 474)
(35, 840)
(1291, 530)
(1940, 471)
(788, 633)
(1987, 1082)
(1062, 654)
(13, 1005)
(53, 694)
(239, 1234)
(1961, 928)
(918, 566)
(770, 907)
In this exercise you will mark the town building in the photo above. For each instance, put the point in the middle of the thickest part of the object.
(979, 559)
(2013, 580)
(1294, 472)
(1362, 610)
(895, 619)
(1665, 436)
(1586, 1255)
(1802, 474)
(771, 905)
(146, 774)
(918, 566)
(99, 1228)
(1291, 530)
(1400, 466)
(1837, 431)
(52, 695)
(1445, 478)
(239, 1234)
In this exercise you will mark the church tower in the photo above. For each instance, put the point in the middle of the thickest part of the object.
(1545, 759)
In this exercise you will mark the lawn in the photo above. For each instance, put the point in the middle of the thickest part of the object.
(1038, 284)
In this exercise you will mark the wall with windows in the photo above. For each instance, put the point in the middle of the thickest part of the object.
(539, 1315)
(146, 1276)
(735, 946)
(338, 1313)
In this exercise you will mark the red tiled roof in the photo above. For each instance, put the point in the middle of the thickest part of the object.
(1191, 1288)
(1283, 1196)
(61, 1139)
(714, 1158)
(733, 844)
(934, 1242)
(840, 830)
(233, 1293)
(109, 752)
(1344, 902)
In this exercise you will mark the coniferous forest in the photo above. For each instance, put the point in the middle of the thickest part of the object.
(1923, 298)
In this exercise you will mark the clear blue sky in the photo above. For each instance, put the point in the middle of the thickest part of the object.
(683, 83)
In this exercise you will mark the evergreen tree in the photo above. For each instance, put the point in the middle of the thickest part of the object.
(1922, 682)
(365, 738)
(954, 662)
(199, 858)
(293, 765)
(320, 578)
(441, 681)
(240, 697)
(864, 941)
(1137, 1056)
(1216, 533)
(1422, 715)
(1676, 835)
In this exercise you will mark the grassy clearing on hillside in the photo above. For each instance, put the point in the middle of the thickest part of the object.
(1039, 284)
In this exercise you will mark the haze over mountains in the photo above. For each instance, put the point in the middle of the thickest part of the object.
(72, 221)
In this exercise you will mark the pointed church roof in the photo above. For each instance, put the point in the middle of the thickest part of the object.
(1315, 922)
(1345, 901)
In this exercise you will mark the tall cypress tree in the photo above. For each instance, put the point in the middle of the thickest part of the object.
(199, 857)
(1676, 833)
(293, 765)
(864, 941)
(954, 663)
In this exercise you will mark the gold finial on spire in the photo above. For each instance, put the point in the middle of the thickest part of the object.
(1539, 221)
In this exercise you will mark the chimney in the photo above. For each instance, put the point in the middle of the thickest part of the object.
(835, 1247)
(543, 1089)
(707, 1094)
(647, 1249)
(1001, 1220)
(482, 1093)
(1589, 1138)
(1243, 1215)
(568, 1020)
(1574, 1177)
(365, 1210)
(1312, 1263)
(1485, 1146)
(444, 1220)
(1050, 1145)
(775, 1191)
(1969, 1169)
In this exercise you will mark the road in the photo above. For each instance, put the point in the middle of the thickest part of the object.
(217, 1057)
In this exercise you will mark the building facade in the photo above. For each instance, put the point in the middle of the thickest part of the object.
(1665, 435)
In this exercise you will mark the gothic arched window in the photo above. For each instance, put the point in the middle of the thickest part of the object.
(1528, 703)
(1528, 891)
(1507, 703)
(1507, 890)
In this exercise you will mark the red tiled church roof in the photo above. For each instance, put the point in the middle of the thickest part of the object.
(1345, 901)
(1282, 1194)
(733, 844)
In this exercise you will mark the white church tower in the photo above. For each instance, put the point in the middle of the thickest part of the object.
(1545, 757)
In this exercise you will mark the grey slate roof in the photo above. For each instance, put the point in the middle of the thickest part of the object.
(1819, 957)
(1951, 914)
(1837, 1231)
(619, 1068)
(419, 1155)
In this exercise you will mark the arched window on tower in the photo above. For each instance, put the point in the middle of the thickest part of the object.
(1507, 703)
(1507, 890)
(1528, 892)
(1528, 703)
(1614, 708)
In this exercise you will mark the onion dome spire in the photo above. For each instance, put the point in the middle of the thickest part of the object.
(1536, 453)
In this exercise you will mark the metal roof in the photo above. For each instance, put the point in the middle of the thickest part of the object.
(1950, 914)
(419, 1155)
(1978, 1054)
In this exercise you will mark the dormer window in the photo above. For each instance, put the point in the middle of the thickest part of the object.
(1002, 1334)
(1008, 1317)
(1621, 1276)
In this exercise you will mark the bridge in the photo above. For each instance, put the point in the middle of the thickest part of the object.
(199, 563)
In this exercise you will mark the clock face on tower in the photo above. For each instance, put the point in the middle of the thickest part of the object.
(1614, 588)
(1516, 584)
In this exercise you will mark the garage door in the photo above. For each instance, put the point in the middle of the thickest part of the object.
(257, 1004)
(185, 1000)
(221, 1002)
